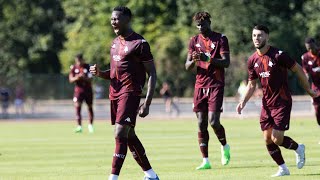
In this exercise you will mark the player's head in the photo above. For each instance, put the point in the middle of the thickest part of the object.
(203, 22)
(78, 59)
(120, 20)
(311, 45)
(260, 36)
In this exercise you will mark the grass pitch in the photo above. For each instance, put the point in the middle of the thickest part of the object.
(51, 150)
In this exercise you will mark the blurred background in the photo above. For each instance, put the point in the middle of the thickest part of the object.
(39, 39)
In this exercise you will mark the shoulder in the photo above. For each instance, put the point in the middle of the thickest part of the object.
(305, 56)
(72, 67)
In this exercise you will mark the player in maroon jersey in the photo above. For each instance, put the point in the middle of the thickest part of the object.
(130, 61)
(311, 66)
(209, 53)
(269, 65)
(81, 76)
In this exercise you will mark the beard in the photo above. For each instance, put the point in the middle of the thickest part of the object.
(262, 44)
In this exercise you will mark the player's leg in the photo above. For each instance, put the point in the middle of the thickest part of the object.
(139, 154)
(120, 151)
(77, 105)
(203, 139)
(317, 112)
(89, 101)
(215, 101)
(281, 118)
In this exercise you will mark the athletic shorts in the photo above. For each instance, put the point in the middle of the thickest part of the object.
(208, 99)
(277, 117)
(80, 96)
(124, 110)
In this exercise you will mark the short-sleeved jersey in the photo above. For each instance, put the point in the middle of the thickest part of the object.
(309, 63)
(271, 69)
(213, 46)
(127, 72)
(81, 85)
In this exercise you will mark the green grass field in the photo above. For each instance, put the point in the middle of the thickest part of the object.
(50, 150)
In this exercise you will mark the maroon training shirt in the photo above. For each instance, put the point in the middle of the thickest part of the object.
(271, 69)
(127, 71)
(81, 85)
(213, 46)
(309, 63)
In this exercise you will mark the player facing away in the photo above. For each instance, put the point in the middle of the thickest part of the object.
(81, 76)
(130, 61)
(269, 65)
(311, 66)
(209, 53)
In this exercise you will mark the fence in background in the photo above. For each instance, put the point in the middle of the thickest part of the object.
(63, 109)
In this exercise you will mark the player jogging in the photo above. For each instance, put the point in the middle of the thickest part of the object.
(269, 65)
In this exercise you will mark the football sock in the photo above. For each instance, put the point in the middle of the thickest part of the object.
(138, 153)
(283, 166)
(275, 153)
(205, 160)
(78, 114)
(203, 139)
(90, 115)
(150, 173)
(119, 155)
(289, 143)
(113, 177)
(221, 135)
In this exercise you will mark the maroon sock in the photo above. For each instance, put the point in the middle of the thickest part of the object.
(221, 135)
(78, 115)
(119, 155)
(139, 153)
(275, 153)
(203, 139)
(90, 115)
(289, 143)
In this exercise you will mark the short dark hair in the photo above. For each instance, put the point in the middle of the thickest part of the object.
(124, 10)
(262, 28)
(79, 56)
(201, 16)
(309, 40)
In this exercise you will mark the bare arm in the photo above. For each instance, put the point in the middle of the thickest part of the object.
(152, 79)
(73, 78)
(189, 62)
(297, 69)
(251, 87)
(94, 70)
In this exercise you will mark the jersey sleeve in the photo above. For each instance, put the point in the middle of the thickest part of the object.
(285, 60)
(251, 73)
(191, 46)
(144, 52)
(224, 48)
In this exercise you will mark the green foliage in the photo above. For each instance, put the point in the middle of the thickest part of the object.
(40, 36)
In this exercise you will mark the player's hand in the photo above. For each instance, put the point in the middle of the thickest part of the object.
(195, 56)
(94, 70)
(240, 106)
(143, 110)
(313, 93)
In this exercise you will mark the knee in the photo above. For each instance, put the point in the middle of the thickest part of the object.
(203, 125)
(277, 140)
(215, 123)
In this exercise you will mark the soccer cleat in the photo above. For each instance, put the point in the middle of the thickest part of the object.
(225, 154)
(78, 129)
(90, 128)
(281, 172)
(148, 178)
(204, 166)
(300, 156)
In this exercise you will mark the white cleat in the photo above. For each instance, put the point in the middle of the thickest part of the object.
(281, 172)
(90, 128)
(300, 156)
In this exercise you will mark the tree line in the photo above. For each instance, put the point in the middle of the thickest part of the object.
(42, 37)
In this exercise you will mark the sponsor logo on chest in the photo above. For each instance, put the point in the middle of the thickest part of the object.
(116, 57)
(265, 74)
